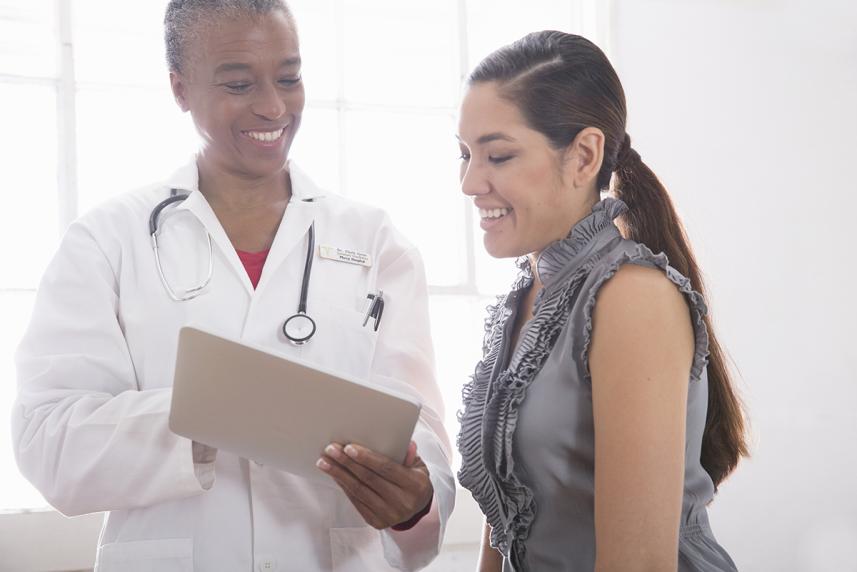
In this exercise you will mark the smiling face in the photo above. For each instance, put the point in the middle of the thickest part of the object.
(241, 82)
(516, 178)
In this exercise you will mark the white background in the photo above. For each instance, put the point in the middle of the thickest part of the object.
(746, 110)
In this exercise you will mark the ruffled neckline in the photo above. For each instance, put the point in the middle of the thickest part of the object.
(561, 255)
(558, 255)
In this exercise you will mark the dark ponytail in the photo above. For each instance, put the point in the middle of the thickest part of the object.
(652, 220)
(563, 83)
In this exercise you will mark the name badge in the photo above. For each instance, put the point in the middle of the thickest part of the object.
(345, 255)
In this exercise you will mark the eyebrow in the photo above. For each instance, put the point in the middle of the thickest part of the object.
(494, 137)
(488, 137)
(233, 66)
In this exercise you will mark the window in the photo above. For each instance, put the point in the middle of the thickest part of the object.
(86, 102)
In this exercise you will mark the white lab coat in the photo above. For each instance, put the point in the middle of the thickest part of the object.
(95, 370)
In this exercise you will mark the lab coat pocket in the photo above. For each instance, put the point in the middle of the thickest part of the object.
(343, 344)
(357, 549)
(163, 555)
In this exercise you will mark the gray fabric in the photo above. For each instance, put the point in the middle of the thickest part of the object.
(527, 434)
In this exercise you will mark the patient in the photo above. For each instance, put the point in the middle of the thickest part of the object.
(602, 417)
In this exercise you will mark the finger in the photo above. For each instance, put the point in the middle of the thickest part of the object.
(371, 518)
(419, 464)
(384, 489)
(411, 455)
(355, 489)
(404, 497)
(386, 468)
(329, 467)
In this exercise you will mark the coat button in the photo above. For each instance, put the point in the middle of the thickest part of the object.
(267, 565)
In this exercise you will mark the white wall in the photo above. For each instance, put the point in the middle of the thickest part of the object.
(748, 112)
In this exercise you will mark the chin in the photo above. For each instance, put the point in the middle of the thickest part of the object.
(266, 168)
(497, 249)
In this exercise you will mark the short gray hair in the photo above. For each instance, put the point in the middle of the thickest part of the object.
(184, 18)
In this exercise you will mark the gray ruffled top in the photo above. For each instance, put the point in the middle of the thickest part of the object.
(527, 433)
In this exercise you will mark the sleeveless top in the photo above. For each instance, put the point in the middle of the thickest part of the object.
(527, 433)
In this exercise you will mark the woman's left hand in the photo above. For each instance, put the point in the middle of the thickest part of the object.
(384, 492)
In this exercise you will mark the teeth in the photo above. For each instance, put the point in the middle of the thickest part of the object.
(265, 136)
(493, 213)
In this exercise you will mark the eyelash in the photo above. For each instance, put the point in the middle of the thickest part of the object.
(493, 160)
(239, 88)
(499, 160)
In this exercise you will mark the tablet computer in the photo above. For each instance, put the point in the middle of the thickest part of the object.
(280, 411)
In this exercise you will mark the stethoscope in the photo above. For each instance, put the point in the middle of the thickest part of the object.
(298, 328)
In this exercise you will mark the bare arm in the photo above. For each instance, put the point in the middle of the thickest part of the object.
(489, 559)
(642, 352)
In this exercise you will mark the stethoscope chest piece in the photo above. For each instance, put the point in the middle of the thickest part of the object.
(299, 328)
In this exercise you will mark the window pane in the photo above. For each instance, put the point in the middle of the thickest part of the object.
(28, 38)
(494, 23)
(128, 138)
(457, 332)
(401, 53)
(16, 492)
(316, 147)
(120, 41)
(316, 28)
(29, 225)
(407, 164)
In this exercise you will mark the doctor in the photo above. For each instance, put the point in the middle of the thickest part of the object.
(235, 248)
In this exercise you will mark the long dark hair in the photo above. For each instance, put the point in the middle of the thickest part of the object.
(562, 83)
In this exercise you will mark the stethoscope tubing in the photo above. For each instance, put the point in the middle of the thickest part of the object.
(307, 269)
(191, 293)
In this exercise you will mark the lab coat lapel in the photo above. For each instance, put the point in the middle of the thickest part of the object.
(186, 179)
(292, 233)
(197, 204)
(294, 228)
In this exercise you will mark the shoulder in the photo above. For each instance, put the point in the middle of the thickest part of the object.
(641, 325)
(629, 281)
(338, 206)
(638, 303)
(115, 226)
(332, 204)
(369, 225)
(638, 289)
(127, 207)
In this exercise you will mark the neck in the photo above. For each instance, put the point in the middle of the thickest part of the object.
(534, 269)
(227, 191)
(582, 211)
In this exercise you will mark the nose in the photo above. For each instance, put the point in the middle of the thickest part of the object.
(269, 103)
(473, 179)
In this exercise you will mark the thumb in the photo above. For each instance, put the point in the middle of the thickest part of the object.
(411, 455)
